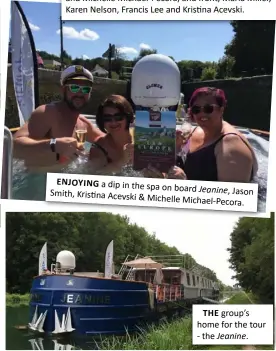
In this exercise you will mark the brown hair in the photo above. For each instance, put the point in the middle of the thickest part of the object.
(119, 102)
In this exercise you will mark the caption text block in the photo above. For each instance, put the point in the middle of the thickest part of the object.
(233, 325)
(162, 10)
(128, 191)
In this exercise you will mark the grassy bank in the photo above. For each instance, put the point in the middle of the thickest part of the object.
(170, 336)
(16, 300)
(175, 335)
(242, 298)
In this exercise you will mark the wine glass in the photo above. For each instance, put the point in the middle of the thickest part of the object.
(80, 133)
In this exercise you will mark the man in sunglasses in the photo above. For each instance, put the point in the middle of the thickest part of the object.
(49, 138)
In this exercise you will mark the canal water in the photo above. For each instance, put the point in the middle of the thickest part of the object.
(24, 339)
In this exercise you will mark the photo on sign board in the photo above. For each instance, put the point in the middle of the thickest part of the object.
(74, 108)
(87, 278)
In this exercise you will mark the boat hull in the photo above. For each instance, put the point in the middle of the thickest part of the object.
(96, 306)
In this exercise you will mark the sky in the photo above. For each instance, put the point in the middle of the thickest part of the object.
(184, 40)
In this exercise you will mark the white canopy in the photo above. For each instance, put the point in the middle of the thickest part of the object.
(145, 262)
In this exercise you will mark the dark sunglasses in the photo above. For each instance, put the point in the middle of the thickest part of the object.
(77, 88)
(116, 118)
(206, 109)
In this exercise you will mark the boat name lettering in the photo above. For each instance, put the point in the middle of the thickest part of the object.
(85, 299)
(36, 298)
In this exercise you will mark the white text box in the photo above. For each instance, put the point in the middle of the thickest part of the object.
(161, 10)
(128, 191)
(233, 325)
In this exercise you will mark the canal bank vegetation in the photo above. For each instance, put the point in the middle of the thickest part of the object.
(252, 257)
(176, 335)
(17, 300)
(86, 235)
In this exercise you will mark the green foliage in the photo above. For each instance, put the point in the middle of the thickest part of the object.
(247, 99)
(252, 47)
(168, 336)
(241, 298)
(16, 300)
(225, 67)
(252, 256)
(85, 234)
(208, 73)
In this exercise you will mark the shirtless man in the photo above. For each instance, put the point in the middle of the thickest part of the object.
(47, 141)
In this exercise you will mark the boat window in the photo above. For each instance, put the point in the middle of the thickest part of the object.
(188, 279)
(194, 283)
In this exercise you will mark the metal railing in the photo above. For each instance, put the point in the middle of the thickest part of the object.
(7, 164)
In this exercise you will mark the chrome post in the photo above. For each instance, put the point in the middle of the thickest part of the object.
(7, 164)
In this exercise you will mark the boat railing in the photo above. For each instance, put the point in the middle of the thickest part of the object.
(130, 274)
(125, 268)
(177, 261)
(168, 292)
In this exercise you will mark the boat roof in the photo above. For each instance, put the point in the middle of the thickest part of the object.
(163, 269)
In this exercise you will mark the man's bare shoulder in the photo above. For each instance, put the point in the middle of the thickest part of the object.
(38, 123)
(42, 110)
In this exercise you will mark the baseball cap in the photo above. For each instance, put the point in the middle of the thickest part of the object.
(75, 72)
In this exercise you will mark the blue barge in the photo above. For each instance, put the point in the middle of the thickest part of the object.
(64, 301)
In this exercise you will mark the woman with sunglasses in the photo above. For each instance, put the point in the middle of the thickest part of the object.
(217, 150)
(115, 149)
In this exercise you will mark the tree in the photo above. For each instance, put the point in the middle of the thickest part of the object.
(209, 73)
(225, 67)
(143, 53)
(252, 47)
(252, 256)
(85, 234)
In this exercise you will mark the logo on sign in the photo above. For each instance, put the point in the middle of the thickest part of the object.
(155, 85)
(70, 282)
(78, 69)
(42, 282)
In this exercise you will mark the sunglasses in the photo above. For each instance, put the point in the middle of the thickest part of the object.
(116, 118)
(77, 88)
(206, 109)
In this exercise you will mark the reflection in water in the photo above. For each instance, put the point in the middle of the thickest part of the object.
(37, 344)
(28, 186)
